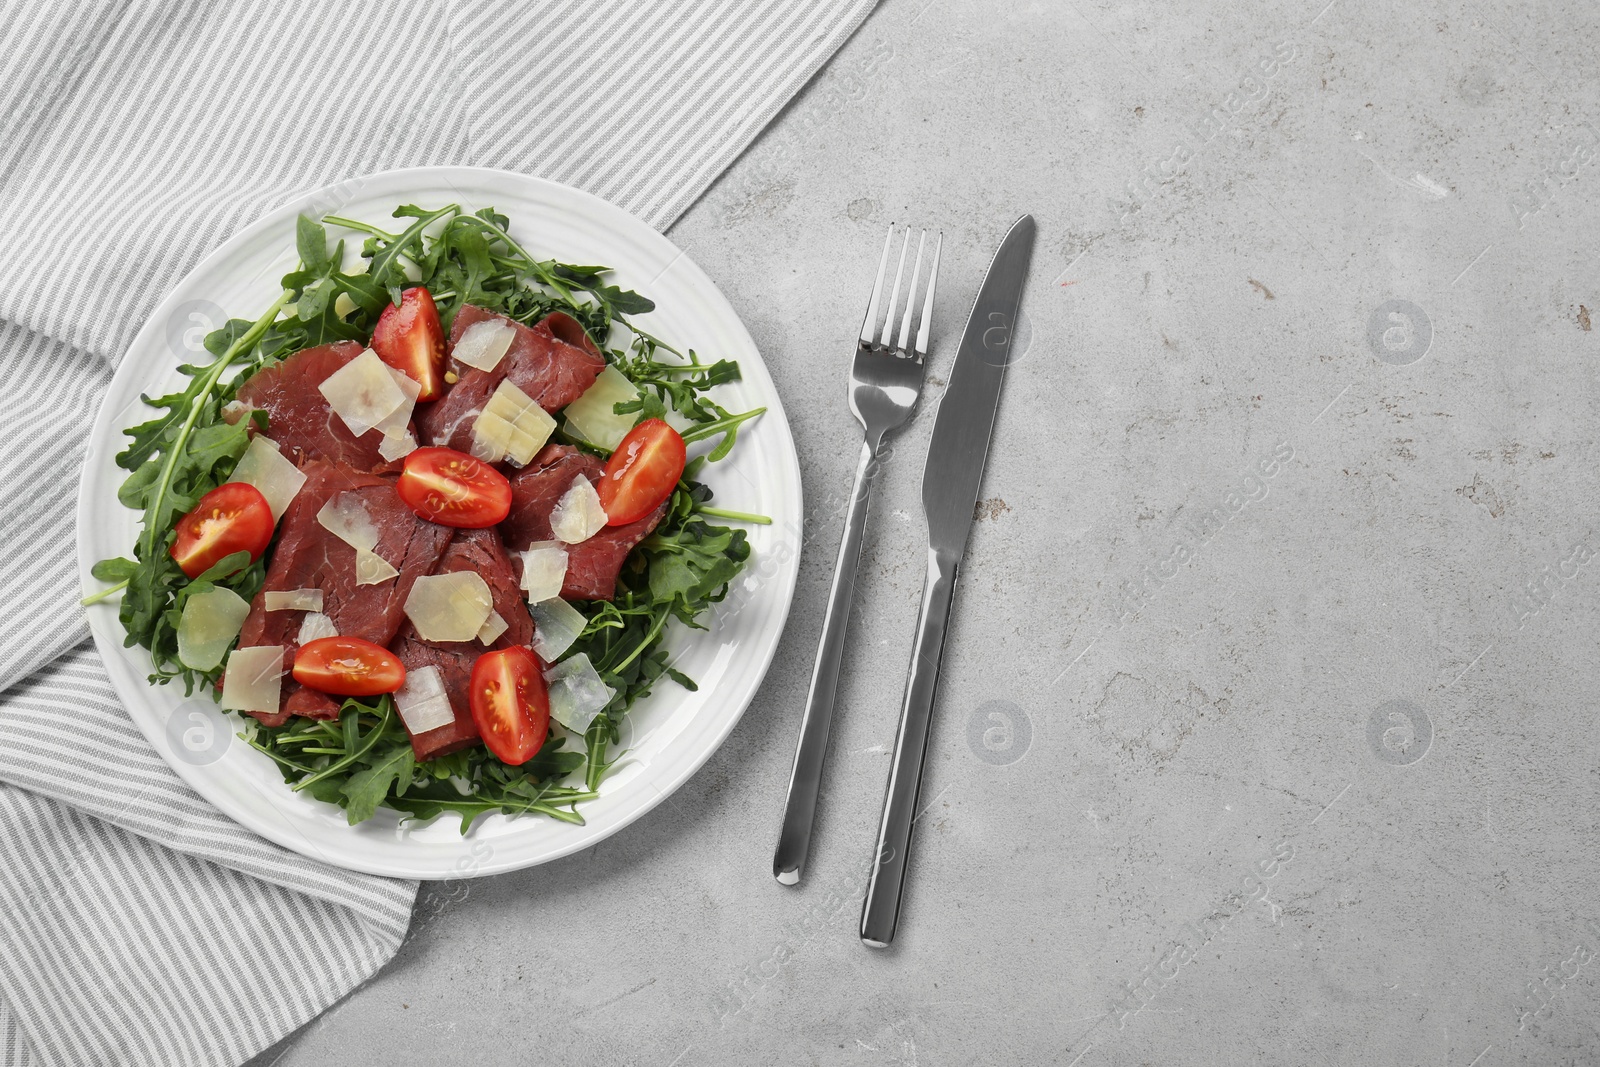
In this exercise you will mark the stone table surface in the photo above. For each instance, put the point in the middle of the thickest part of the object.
(1266, 728)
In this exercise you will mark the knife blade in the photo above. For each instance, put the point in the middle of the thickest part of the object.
(960, 445)
(951, 480)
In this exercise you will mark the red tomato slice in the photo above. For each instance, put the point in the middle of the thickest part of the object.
(510, 704)
(453, 489)
(641, 472)
(409, 338)
(233, 517)
(348, 667)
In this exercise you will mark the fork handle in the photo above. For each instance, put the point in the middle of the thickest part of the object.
(805, 781)
(880, 913)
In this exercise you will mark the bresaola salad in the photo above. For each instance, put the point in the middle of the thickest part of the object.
(422, 528)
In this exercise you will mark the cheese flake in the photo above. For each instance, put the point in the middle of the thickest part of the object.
(208, 625)
(398, 422)
(395, 446)
(592, 415)
(314, 627)
(577, 693)
(347, 518)
(484, 344)
(578, 515)
(292, 600)
(362, 392)
(449, 607)
(372, 568)
(254, 679)
(544, 570)
(556, 625)
(492, 628)
(511, 426)
(264, 467)
(422, 702)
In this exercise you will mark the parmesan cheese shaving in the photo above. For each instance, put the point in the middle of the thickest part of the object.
(210, 622)
(484, 344)
(314, 627)
(422, 702)
(264, 467)
(492, 628)
(576, 692)
(398, 421)
(372, 568)
(254, 679)
(449, 607)
(347, 518)
(394, 446)
(578, 515)
(362, 392)
(292, 600)
(544, 570)
(592, 417)
(556, 625)
(511, 426)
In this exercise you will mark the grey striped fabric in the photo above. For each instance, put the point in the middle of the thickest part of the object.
(137, 924)
(138, 135)
(146, 910)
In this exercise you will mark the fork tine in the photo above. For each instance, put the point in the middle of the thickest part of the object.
(927, 303)
(901, 346)
(894, 294)
(870, 325)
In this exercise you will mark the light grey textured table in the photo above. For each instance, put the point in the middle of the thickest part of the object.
(1267, 732)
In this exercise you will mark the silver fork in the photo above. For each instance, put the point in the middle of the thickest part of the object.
(885, 381)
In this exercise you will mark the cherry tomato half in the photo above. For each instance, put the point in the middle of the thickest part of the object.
(410, 339)
(453, 489)
(641, 472)
(348, 667)
(510, 704)
(233, 517)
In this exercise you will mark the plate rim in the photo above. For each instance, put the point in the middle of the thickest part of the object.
(108, 638)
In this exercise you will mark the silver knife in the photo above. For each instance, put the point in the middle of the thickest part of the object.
(950, 483)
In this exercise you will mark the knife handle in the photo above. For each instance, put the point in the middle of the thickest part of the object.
(805, 781)
(881, 912)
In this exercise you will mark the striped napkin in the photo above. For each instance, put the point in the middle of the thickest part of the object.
(137, 924)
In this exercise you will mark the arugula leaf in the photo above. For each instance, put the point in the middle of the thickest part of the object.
(692, 563)
(226, 567)
(311, 241)
(385, 266)
(113, 570)
(368, 788)
(135, 489)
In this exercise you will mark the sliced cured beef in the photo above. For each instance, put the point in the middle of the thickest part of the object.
(479, 551)
(308, 556)
(310, 703)
(447, 422)
(592, 565)
(299, 418)
(536, 488)
(570, 331)
(554, 375)
(554, 362)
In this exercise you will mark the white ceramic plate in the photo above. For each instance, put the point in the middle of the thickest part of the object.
(671, 734)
